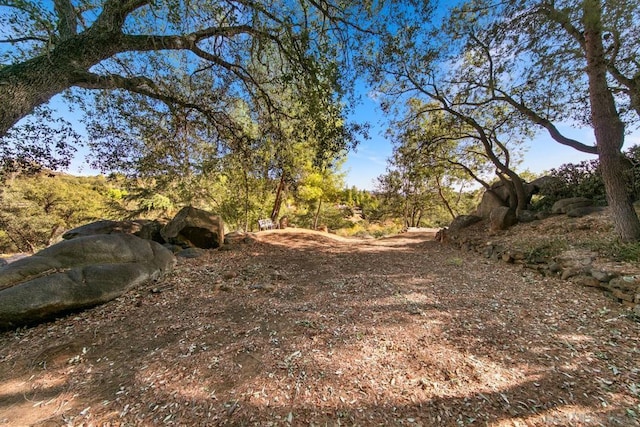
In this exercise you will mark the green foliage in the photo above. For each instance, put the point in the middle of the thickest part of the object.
(157, 202)
(36, 210)
(584, 180)
(431, 170)
(619, 251)
(42, 141)
(577, 180)
(366, 229)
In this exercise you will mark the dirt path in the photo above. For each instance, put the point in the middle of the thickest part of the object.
(302, 329)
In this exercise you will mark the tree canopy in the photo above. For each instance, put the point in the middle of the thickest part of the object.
(537, 62)
(198, 56)
(185, 89)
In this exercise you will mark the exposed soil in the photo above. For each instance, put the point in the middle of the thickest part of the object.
(307, 329)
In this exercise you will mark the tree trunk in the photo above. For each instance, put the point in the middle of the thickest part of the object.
(608, 128)
(246, 201)
(277, 204)
(405, 212)
(516, 189)
(447, 205)
(414, 212)
(34, 82)
(317, 215)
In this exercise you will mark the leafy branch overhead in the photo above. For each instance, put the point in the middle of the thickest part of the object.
(123, 44)
(542, 64)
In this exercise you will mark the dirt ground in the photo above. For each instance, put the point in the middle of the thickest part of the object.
(307, 329)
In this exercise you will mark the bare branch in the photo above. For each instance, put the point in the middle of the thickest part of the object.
(67, 19)
(115, 12)
(545, 123)
(25, 39)
(470, 173)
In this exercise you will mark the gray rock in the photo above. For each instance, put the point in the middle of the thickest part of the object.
(193, 227)
(491, 199)
(587, 281)
(625, 283)
(526, 216)
(143, 228)
(499, 196)
(565, 205)
(76, 274)
(150, 230)
(570, 272)
(545, 184)
(191, 253)
(602, 276)
(238, 237)
(542, 215)
(502, 218)
(103, 227)
(583, 211)
(555, 268)
(173, 248)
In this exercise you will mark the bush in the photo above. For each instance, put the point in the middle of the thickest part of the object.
(366, 229)
(35, 210)
(584, 180)
(579, 180)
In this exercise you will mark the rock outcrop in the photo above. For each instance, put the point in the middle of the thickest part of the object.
(502, 218)
(499, 196)
(143, 228)
(564, 206)
(77, 274)
(193, 227)
(463, 221)
(104, 226)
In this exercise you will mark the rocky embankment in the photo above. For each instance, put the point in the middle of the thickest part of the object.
(562, 246)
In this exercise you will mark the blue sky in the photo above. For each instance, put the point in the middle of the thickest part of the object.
(370, 158)
(541, 154)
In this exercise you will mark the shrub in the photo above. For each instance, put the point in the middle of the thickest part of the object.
(584, 180)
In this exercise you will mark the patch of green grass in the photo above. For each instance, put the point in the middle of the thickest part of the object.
(457, 262)
(366, 229)
(546, 250)
(619, 251)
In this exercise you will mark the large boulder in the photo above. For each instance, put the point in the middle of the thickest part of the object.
(490, 200)
(143, 228)
(565, 205)
(584, 211)
(150, 230)
(502, 218)
(104, 226)
(499, 196)
(546, 184)
(76, 274)
(194, 227)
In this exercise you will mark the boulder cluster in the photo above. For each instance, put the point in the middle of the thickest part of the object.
(190, 228)
(495, 205)
(618, 281)
(100, 261)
